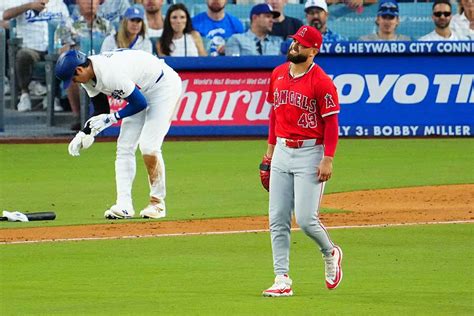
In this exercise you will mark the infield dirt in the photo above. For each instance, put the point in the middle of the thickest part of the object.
(390, 206)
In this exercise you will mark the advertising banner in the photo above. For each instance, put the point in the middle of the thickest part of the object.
(381, 95)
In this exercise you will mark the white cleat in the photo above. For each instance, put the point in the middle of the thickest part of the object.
(281, 287)
(333, 269)
(117, 212)
(154, 211)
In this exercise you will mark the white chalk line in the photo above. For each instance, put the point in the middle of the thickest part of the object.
(222, 232)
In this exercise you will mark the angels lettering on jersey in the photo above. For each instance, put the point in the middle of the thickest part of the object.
(281, 97)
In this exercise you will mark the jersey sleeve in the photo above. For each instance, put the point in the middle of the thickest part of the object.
(328, 99)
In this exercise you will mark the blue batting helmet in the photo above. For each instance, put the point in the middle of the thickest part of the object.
(67, 64)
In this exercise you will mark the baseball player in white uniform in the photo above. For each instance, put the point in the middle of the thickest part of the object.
(152, 90)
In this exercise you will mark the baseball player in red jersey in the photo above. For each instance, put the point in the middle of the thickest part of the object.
(303, 135)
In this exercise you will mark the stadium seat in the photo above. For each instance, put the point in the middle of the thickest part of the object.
(415, 9)
(415, 29)
(198, 8)
(295, 11)
(352, 33)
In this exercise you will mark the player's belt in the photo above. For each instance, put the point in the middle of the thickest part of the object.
(161, 76)
(299, 143)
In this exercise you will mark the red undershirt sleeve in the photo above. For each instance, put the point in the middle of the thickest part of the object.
(331, 134)
(271, 128)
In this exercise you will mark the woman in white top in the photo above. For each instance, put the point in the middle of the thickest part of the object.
(131, 33)
(179, 38)
(463, 23)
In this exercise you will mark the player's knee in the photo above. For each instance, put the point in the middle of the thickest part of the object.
(148, 150)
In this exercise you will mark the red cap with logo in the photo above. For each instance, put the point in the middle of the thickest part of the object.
(308, 36)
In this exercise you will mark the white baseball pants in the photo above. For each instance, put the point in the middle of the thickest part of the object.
(147, 129)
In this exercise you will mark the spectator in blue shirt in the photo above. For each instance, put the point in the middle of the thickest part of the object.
(256, 41)
(216, 26)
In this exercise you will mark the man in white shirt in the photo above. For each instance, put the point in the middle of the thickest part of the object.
(32, 26)
(153, 17)
(152, 90)
(441, 17)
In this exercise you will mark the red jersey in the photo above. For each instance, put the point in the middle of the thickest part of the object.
(299, 104)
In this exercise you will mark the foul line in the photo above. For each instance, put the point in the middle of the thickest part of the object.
(222, 233)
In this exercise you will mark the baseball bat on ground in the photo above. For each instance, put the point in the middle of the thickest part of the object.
(38, 216)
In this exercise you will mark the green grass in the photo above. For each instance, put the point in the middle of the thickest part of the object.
(416, 270)
(209, 179)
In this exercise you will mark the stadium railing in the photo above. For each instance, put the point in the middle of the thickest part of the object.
(2, 76)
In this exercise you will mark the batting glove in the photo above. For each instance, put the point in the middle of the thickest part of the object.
(265, 172)
(100, 122)
(76, 144)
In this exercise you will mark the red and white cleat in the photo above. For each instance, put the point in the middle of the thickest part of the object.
(333, 268)
(281, 287)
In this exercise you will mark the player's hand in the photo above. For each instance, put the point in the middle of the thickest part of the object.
(100, 122)
(80, 141)
(265, 171)
(76, 144)
(325, 169)
(38, 5)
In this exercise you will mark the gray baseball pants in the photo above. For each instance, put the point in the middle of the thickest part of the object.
(294, 186)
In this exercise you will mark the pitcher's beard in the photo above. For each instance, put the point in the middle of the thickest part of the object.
(296, 59)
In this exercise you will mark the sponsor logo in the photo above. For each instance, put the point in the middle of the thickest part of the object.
(302, 32)
(404, 89)
(329, 101)
(117, 94)
(226, 104)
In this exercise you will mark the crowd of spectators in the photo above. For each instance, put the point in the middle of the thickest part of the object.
(98, 25)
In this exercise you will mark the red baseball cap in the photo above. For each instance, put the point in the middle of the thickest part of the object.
(308, 36)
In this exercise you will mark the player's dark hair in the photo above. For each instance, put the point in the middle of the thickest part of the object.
(436, 2)
(167, 36)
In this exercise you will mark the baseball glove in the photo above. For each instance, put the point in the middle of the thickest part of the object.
(265, 172)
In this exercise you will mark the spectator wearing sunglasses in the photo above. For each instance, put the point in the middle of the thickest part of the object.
(441, 18)
(131, 33)
(463, 23)
(387, 21)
